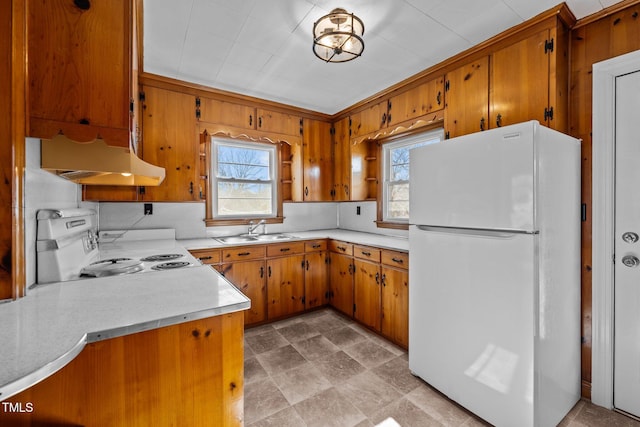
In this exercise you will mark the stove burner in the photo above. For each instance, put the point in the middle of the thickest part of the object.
(162, 257)
(170, 265)
(112, 267)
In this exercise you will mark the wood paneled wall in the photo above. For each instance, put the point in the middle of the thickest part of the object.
(594, 39)
(12, 147)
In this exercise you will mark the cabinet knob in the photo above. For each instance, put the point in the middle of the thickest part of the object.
(499, 120)
(482, 123)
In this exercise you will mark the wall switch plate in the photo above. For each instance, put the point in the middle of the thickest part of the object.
(357, 210)
(148, 209)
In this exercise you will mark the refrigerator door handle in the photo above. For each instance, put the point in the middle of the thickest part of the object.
(490, 232)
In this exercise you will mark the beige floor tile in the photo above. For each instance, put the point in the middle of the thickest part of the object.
(316, 347)
(261, 399)
(328, 409)
(338, 367)
(369, 354)
(301, 383)
(404, 413)
(268, 340)
(438, 406)
(298, 331)
(253, 371)
(396, 373)
(368, 392)
(344, 336)
(287, 417)
(280, 359)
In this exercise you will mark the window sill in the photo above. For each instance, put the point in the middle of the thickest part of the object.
(212, 222)
(394, 225)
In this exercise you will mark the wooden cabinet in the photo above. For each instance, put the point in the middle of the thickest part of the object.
(467, 100)
(341, 276)
(208, 257)
(291, 170)
(170, 140)
(276, 122)
(520, 82)
(355, 166)
(285, 279)
(395, 297)
(79, 70)
(185, 374)
(369, 120)
(526, 80)
(318, 164)
(250, 278)
(316, 284)
(226, 113)
(413, 103)
(366, 307)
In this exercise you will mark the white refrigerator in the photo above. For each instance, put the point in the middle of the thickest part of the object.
(494, 295)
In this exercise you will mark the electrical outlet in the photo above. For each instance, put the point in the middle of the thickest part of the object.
(357, 210)
(148, 209)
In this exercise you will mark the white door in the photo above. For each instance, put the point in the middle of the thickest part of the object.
(627, 246)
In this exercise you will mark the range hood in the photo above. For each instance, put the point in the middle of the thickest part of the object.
(97, 163)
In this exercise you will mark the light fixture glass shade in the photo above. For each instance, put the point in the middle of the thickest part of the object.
(337, 36)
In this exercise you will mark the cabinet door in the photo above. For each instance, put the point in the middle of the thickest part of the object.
(520, 82)
(227, 113)
(359, 155)
(250, 278)
(341, 283)
(342, 160)
(171, 140)
(370, 120)
(79, 66)
(467, 99)
(416, 102)
(395, 305)
(318, 165)
(367, 308)
(315, 279)
(273, 121)
(285, 286)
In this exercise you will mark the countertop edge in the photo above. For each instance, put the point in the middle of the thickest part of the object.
(11, 389)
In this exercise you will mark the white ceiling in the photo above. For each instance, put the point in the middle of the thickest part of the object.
(262, 48)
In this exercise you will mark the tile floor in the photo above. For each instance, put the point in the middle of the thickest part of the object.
(322, 369)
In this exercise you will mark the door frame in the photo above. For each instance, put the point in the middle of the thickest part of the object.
(603, 166)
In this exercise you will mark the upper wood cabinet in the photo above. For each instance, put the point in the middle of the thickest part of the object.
(342, 160)
(171, 140)
(525, 80)
(226, 113)
(423, 99)
(369, 120)
(79, 69)
(520, 82)
(275, 122)
(467, 100)
(318, 162)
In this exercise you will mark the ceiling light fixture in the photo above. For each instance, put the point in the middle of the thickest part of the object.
(337, 37)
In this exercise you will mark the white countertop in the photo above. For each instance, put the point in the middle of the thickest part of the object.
(357, 237)
(44, 331)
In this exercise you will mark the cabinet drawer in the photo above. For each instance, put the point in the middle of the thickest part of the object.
(315, 245)
(207, 256)
(366, 252)
(280, 249)
(341, 247)
(243, 253)
(395, 259)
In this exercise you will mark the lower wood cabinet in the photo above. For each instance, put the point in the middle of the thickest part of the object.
(250, 278)
(285, 286)
(395, 303)
(316, 278)
(366, 308)
(190, 374)
(341, 283)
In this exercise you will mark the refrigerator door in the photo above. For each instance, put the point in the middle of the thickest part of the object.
(471, 320)
(481, 180)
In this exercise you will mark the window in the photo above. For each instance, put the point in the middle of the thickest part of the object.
(395, 192)
(244, 181)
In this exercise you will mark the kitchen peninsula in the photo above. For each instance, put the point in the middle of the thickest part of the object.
(125, 350)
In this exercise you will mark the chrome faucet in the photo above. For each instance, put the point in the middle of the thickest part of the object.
(252, 226)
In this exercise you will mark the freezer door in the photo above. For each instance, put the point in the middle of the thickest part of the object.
(471, 320)
(482, 180)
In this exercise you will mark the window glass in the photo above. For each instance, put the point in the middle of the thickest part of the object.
(396, 171)
(244, 179)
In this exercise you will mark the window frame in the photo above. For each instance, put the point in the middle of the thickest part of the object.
(211, 170)
(414, 141)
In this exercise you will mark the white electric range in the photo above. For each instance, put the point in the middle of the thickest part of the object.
(69, 247)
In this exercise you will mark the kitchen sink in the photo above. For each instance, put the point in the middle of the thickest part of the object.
(246, 238)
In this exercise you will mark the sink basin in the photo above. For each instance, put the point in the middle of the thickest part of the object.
(245, 238)
(275, 236)
(236, 239)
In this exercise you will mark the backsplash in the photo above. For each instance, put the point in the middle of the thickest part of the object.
(187, 218)
(349, 219)
(42, 190)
